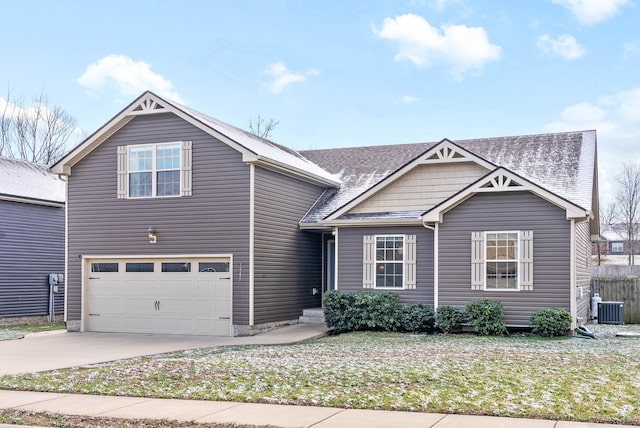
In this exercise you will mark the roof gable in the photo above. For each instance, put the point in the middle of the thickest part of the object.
(502, 180)
(253, 149)
(443, 152)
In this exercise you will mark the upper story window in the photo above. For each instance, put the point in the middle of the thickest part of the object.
(154, 170)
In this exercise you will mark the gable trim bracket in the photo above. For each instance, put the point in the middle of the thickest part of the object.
(445, 151)
(503, 180)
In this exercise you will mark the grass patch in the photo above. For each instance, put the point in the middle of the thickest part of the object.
(571, 379)
(19, 417)
(33, 328)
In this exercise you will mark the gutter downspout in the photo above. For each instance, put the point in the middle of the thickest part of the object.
(252, 182)
(436, 259)
(572, 276)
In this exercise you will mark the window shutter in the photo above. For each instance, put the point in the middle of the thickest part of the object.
(123, 177)
(410, 262)
(477, 260)
(526, 260)
(368, 261)
(186, 168)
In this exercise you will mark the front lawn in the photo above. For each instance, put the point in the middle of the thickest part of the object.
(18, 331)
(570, 379)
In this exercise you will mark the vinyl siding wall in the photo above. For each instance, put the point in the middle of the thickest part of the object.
(583, 270)
(215, 220)
(350, 267)
(505, 212)
(32, 247)
(288, 261)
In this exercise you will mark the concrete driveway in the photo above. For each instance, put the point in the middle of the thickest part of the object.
(59, 350)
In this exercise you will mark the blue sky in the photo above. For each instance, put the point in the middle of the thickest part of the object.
(344, 73)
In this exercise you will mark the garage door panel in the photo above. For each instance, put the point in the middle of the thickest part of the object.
(161, 302)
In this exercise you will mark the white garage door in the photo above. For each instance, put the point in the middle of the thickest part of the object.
(169, 296)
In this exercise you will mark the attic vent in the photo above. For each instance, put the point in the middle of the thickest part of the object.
(446, 153)
(148, 106)
(500, 182)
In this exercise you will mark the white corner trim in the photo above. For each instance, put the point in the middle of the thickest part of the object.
(335, 255)
(252, 238)
(66, 251)
(436, 263)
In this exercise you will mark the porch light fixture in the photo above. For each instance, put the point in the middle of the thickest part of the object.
(152, 235)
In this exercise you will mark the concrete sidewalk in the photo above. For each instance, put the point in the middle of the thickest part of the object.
(258, 414)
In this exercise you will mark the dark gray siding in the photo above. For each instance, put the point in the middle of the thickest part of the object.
(350, 261)
(32, 247)
(583, 270)
(214, 220)
(288, 261)
(507, 211)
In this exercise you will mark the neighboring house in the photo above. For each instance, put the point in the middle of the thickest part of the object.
(180, 223)
(32, 212)
(615, 236)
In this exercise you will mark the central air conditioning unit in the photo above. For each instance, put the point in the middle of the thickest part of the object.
(611, 313)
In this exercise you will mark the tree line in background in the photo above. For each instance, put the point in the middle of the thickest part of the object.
(625, 210)
(34, 130)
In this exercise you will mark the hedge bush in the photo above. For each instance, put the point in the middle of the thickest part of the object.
(416, 317)
(448, 318)
(338, 311)
(365, 310)
(376, 310)
(486, 317)
(551, 322)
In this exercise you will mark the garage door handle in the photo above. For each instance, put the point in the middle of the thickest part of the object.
(224, 318)
(157, 305)
(93, 277)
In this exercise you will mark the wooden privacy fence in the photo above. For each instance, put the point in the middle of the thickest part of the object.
(625, 290)
(616, 271)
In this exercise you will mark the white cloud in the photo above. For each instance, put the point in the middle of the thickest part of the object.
(283, 77)
(128, 77)
(564, 46)
(458, 47)
(593, 11)
(409, 99)
(615, 117)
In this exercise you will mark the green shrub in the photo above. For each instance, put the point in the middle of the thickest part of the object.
(365, 310)
(416, 317)
(551, 322)
(376, 310)
(486, 317)
(338, 311)
(448, 318)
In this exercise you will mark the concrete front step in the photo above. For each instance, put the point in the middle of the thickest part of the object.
(312, 316)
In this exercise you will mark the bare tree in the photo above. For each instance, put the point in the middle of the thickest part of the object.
(628, 201)
(37, 132)
(609, 214)
(262, 129)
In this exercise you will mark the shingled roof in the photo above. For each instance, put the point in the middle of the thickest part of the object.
(29, 182)
(562, 163)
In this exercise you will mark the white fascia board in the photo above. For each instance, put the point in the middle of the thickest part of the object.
(292, 171)
(435, 214)
(423, 159)
(32, 201)
(372, 223)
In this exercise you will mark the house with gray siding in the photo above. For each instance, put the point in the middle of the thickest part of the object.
(180, 223)
(32, 209)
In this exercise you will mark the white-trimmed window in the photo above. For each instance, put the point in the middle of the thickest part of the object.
(154, 170)
(617, 247)
(502, 260)
(389, 261)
